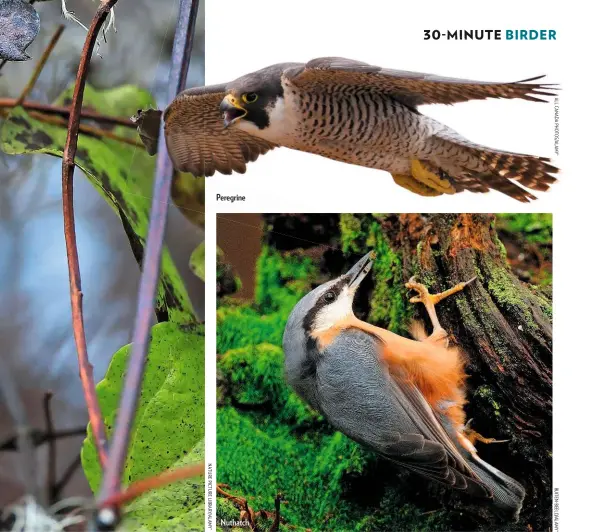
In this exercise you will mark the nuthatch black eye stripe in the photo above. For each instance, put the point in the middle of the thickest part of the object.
(326, 298)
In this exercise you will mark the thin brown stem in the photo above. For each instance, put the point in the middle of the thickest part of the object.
(51, 452)
(64, 111)
(76, 295)
(40, 64)
(84, 128)
(142, 486)
(89, 130)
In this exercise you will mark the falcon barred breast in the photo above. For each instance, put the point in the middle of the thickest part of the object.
(355, 113)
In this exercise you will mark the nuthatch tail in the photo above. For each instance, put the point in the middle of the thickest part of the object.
(402, 398)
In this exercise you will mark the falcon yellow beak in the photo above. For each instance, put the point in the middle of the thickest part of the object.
(231, 110)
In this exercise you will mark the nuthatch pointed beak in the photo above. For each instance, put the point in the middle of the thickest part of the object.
(231, 110)
(359, 271)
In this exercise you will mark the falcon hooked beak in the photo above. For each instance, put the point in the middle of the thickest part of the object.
(231, 110)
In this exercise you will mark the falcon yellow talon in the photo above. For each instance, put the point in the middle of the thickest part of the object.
(429, 179)
(411, 184)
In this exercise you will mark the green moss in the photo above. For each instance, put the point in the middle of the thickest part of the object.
(361, 233)
(313, 474)
(501, 247)
(241, 326)
(484, 392)
(535, 228)
(352, 236)
(281, 280)
(388, 304)
(226, 511)
(506, 294)
(255, 374)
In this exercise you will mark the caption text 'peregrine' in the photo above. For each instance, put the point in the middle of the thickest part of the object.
(231, 199)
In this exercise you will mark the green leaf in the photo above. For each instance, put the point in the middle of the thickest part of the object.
(178, 506)
(122, 173)
(169, 426)
(197, 262)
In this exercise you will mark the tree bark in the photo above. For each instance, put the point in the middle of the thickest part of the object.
(504, 327)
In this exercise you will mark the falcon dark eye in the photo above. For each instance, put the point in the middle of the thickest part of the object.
(329, 297)
(249, 97)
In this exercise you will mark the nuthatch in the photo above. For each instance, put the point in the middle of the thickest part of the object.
(401, 398)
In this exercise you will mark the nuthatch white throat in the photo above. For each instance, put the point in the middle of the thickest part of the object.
(401, 398)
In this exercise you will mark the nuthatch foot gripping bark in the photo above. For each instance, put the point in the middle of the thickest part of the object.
(402, 398)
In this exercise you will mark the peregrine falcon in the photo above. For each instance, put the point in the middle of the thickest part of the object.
(355, 113)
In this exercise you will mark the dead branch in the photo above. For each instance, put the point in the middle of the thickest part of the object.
(52, 454)
(40, 64)
(66, 476)
(39, 437)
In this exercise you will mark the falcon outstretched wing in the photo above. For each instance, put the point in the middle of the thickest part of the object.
(411, 88)
(197, 141)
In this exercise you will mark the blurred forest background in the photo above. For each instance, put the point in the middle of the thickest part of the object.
(36, 343)
(269, 442)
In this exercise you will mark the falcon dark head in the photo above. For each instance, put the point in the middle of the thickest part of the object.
(252, 98)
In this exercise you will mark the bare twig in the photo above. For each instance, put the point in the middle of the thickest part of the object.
(277, 513)
(245, 511)
(39, 437)
(85, 367)
(65, 112)
(112, 478)
(66, 476)
(9, 394)
(40, 64)
(51, 452)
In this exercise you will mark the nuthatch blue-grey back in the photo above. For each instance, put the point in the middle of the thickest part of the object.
(401, 398)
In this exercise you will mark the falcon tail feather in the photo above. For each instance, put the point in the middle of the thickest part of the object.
(478, 168)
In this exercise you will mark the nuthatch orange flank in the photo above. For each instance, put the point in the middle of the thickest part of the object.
(402, 398)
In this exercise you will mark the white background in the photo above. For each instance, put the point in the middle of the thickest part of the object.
(244, 36)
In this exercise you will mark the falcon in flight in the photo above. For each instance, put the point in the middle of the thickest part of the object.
(355, 113)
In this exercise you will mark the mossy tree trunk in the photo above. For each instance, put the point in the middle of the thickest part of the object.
(504, 327)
